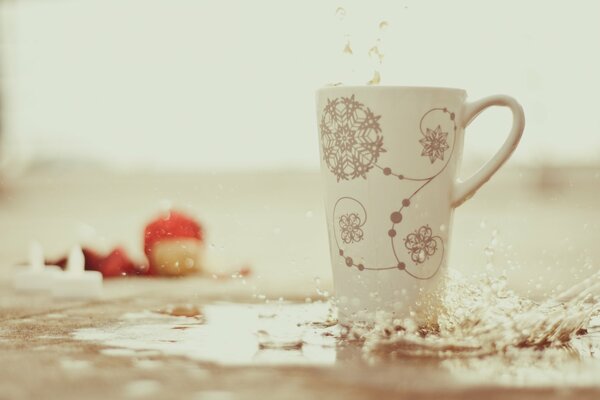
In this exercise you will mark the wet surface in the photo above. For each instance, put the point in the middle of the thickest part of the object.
(228, 334)
(234, 334)
(37, 334)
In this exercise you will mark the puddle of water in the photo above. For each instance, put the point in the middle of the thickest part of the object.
(229, 334)
(574, 366)
(486, 334)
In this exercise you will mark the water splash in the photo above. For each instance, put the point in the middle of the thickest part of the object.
(375, 54)
(319, 290)
(347, 48)
(482, 317)
(485, 333)
(375, 79)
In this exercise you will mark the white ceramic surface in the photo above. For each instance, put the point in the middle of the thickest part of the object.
(389, 158)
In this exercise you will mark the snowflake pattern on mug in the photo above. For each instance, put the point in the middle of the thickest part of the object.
(434, 144)
(350, 228)
(351, 138)
(420, 244)
(352, 141)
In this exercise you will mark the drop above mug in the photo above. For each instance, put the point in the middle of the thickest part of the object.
(389, 161)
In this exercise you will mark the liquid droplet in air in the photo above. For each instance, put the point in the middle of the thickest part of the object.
(340, 12)
(375, 54)
(383, 25)
(375, 80)
(347, 48)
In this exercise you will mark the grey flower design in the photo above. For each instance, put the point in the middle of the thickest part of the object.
(351, 138)
(420, 244)
(350, 228)
(434, 144)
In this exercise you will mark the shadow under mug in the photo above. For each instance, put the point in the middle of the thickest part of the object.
(389, 162)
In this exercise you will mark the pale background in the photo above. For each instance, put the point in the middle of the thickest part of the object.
(115, 109)
(112, 110)
(218, 85)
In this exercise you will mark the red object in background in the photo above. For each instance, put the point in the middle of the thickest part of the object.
(175, 225)
(116, 263)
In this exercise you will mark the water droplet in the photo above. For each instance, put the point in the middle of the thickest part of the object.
(383, 25)
(375, 54)
(309, 214)
(262, 335)
(347, 48)
(483, 224)
(340, 12)
(375, 80)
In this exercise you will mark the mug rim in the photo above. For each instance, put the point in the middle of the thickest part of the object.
(392, 87)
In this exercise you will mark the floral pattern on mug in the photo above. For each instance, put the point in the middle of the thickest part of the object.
(351, 138)
(350, 228)
(420, 244)
(434, 144)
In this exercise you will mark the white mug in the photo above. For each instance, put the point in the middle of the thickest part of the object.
(389, 161)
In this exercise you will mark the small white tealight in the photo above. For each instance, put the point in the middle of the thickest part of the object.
(76, 282)
(37, 276)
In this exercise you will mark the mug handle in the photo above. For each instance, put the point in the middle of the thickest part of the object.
(464, 190)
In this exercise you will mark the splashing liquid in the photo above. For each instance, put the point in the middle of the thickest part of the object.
(485, 334)
(483, 318)
(375, 54)
(347, 48)
(375, 79)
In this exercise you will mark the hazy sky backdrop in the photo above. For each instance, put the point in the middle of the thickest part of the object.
(230, 84)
